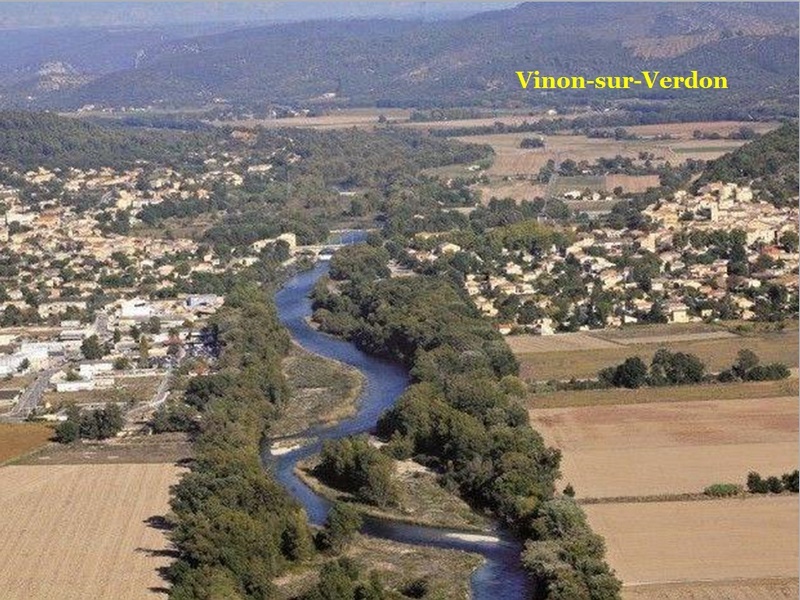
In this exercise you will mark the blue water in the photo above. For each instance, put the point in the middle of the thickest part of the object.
(500, 576)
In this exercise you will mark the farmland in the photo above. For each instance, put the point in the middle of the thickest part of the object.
(663, 448)
(513, 167)
(84, 531)
(19, 439)
(640, 459)
(575, 355)
(694, 541)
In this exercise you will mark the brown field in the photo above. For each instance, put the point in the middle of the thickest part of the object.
(512, 161)
(667, 542)
(522, 345)
(685, 130)
(779, 588)
(362, 118)
(651, 449)
(82, 531)
(19, 439)
(549, 357)
(156, 448)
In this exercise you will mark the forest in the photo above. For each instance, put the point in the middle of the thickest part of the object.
(769, 164)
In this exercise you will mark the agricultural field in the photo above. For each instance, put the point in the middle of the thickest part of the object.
(575, 355)
(84, 531)
(17, 439)
(661, 542)
(670, 448)
(640, 459)
(512, 164)
(662, 395)
(768, 588)
(362, 118)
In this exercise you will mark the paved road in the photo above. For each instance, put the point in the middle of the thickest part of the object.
(33, 393)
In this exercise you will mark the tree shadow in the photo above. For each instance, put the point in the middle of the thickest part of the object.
(159, 522)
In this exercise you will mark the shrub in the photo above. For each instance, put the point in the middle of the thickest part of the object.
(723, 490)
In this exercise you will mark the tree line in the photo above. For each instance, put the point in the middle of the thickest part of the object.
(681, 368)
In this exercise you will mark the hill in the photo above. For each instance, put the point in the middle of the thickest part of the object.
(472, 61)
(769, 164)
(32, 140)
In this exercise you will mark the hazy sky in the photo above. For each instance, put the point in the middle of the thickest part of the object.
(54, 14)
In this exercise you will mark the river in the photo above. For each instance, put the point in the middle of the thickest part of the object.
(500, 575)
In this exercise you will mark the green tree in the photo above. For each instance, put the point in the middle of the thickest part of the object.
(91, 348)
(343, 523)
(746, 359)
(67, 432)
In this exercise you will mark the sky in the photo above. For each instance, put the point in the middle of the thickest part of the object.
(59, 14)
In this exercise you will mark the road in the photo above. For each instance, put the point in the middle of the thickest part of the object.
(33, 393)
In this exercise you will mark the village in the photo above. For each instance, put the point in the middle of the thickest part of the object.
(720, 254)
(90, 309)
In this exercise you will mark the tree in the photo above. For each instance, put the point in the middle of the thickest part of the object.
(774, 484)
(343, 523)
(154, 325)
(746, 359)
(789, 241)
(632, 373)
(67, 432)
(91, 348)
(755, 484)
(144, 352)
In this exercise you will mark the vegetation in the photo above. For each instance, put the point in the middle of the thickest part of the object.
(353, 464)
(33, 140)
(460, 415)
(413, 63)
(789, 482)
(681, 368)
(723, 490)
(235, 526)
(97, 424)
(769, 163)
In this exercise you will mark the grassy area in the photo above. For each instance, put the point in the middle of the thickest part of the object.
(445, 572)
(18, 439)
(323, 391)
(717, 354)
(682, 393)
(422, 500)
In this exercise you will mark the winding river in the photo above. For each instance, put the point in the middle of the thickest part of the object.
(500, 575)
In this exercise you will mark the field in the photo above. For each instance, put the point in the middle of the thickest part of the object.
(84, 531)
(640, 459)
(19, 439)
(696, 541)
(669, 394)
(341, 119)
(575, 355)
(670, 448)
(771, 588)
(512, 164)
(125, 389)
